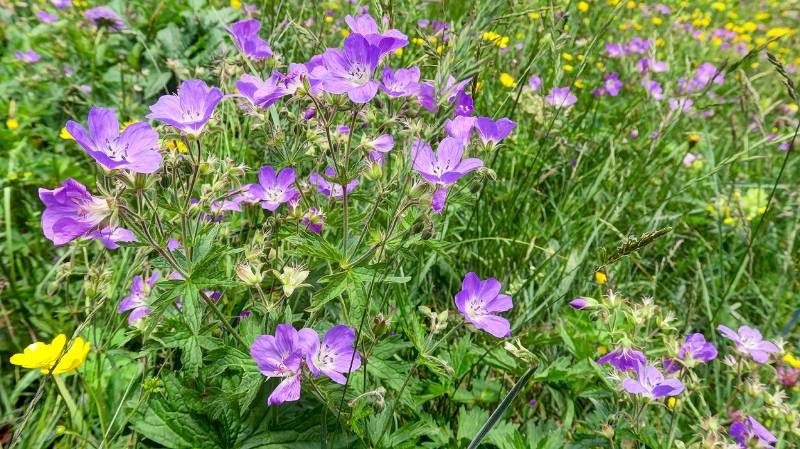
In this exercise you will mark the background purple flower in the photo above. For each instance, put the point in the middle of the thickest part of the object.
(651, 383)
(135, 149)
(561, 97)
(749, 341)
(623, 359)
(314, 219)
(751, 431)
(535, 83)
(102, 16)
(61, 4)
(460, 128)
(695, 347)
(71, 212)
(261, 93)
(334, 355)
(366, 26)
(28, 57)
(493, 132)
(110, 236)
(349, 71)
(328, 188)
(446, 166)
(190, 109)
(400, 83)
(46, 17)
(245, 34)
(383, 143)
(479, 301)
(137, 301)
(274, 190)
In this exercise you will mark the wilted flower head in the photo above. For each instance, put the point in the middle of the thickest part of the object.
(479, 301)
(190, 109)
(335, 355)
(245, 34)
(328, 188)
(751, 433)
(135, 149)
(349, 71)
(274, 190)
(561, 97)
(314, 219)
(749, 341)
(137, 302)
(104, 17)
(623, 359)
(71, 212)
(28, 57)
(650, 383)
(43, 356)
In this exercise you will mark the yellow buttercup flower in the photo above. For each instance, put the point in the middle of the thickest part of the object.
(43, 356)
(64, 134)
(177, 145)
(328, 19)
(568, 68)
(600, 277)
(507, 80)
(583, 6)
(534, 15)
(12, 123)
(791, 360)
(418, 41)
(345, 33)
(671, 402)
(399, 52)
(236, 4)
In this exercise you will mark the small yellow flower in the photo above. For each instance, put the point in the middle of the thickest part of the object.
(657, 21)
(440, 49)
(568, 68)
(762, 16)
(418, 41)
(599, 65)
(64, 134)
(671, 402)
(236, 4)
(754, 65)
(399, 52)
(507, 80)
(13, 176)
(177, 145)
(12, 123)
(328, 19)
(583, 6)
(534, 15)
(630, 5)
(660, 42)
(344, 32)
(719, 6)
(728, 221)
(502, 42)
(791, 360)
(43, 356)
(567, 56)
(602, 349)
(750, 27)
(600, 277)
(579, 84)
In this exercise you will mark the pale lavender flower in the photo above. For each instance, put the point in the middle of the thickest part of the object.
(282, 356)
(707, 72)
(274, 190)
(335, 355)
(680, 104)
(386, 42)
(612, 84)
(535, 83)
(650, 383)
(261, 93)
(46, 17)
(460, 128)
(173, 244)
(61, 4)
(28, 57)
(328, 188)
(623, 359)
(110, 236)
(690, 159)
(695, 350)
(493, 132)
(85, 89)
(245, 34)
(453, 89)
(71, 212)
(349, 71)
(426, 97)
(615, 50)
(749, 341)
(479, 301)
(400, 83)
(446, 166)
(135, 149)
(438, 199)
(138, 300)
(561, 97)
(190, 109)
(104, 17)
(647, 65)
(653, 88)
(751, 433)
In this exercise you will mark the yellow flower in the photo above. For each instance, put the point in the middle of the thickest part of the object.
(503, 42)
(791, 360)
(659, 42)
(534, 15)
(418, 40)
(750, 27)
(177, 145)
(13, 176)
(583, 6)
(236, 4)
(671, 402)
(778, 32)
(657, 21)
(602, 349)
(439, 49)
(64, 134)
(507, 80)
(579, 84)
(328, 19)
(399, 52)
(599, 65)
(728, 221)
(567, 56)
(600, 277)
(43, 356)
(719, 6)
(12, 123)
(630, 5)
(344, 32)
(762, 16)
(568, 68)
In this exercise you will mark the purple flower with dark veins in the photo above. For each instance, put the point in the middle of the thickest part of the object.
(328, 188)
(245, 34)
(623, 359)
(274, 190)
(314, 219)
(335, 355)
(388, 41)
(71, 212)
(282, 356)
(464, 105)
(479, 301)
(349, 71)
(492, 132)
(261, 94)
(137, 302)
(28, 57)
(135, 149)
(751, 433)
(190, 109)
(46, 17)
(749, 341)
(460, 128)
(561, 97)
(426, 97)
(650, 383)
(102, 17)
(446, 166)
(110, 236)
(400, 83)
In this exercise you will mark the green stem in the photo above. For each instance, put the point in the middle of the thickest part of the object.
(74, 411)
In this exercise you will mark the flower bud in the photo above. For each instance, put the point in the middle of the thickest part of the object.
(374, 171)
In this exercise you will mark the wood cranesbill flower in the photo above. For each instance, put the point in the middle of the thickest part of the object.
(46, 17)
(350, 70)
(39, 355)
(479, 301)
(388, 41)
(444, 168)
(71, 212)
(28, 57)
(138, 300)
(110, 236)
(328, 188)
(623, 359)
(261, 93)
(400, 82)
(492, 132)
(335, 355)
(190, 109)
(135, 148)
(561, 97)
(273, 190)
(104, 17)
(751, 433)
(650, 383)
(460, 128)
(749, 341)
(245, 35)
(282, 356)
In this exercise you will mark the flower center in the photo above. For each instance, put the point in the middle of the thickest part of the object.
(274, 195)
(476, 307)
(115, 151)
(358, 74)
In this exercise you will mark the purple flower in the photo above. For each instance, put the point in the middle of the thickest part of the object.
(615, 50)
(335, 355)
(696, 349)
(653, 88)
(137, 301)
(460, 128)
(464, 105)
(438, 200)
(245, 34)
(623, 359)
(646, 65)
(453, 89)
(578, 303)
(423, 23)
(426, 97)
(104, 17)
(561, 97)
(61, 4)
(190, 109)
(350, 70)
(382, 144)
(71, 212)
(400, 83)
(274, 190)
(314, 219)
(366, 26)
(680, 104)
(478, 301)
(535, 83)
(46, 17)
(690, 159)
(749, 341)
(328, 188)
(751, 431)
(493, 132)
(135, 149)
(707, 72)
(281, 356)
(111, 235)
(28, 57)
(446, 166)
(612, 84)
(261, 94)
(173, 244)
(651, 383)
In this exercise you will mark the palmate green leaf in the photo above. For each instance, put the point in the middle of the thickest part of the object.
(470, 422)
(313, 245)
(233, 361)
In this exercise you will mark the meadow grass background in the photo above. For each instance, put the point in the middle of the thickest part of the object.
(568, 187)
